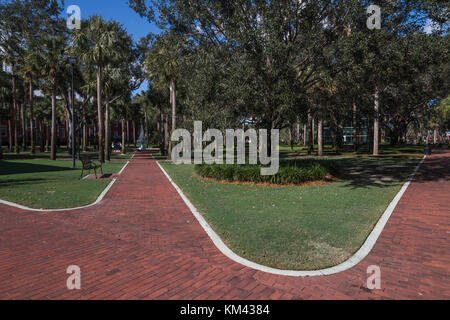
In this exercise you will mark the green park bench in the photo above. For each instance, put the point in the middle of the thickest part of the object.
(89, 165)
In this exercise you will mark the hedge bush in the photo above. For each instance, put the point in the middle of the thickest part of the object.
(292, 172)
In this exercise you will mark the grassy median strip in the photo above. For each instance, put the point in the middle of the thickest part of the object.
(299, 227)
(44, 184)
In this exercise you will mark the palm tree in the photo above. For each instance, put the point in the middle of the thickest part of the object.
(52, 65)
(30, 72)
(5, 98)
(95, 45)
(163, 62)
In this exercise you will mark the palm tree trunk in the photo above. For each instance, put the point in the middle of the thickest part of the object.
(33, 144)
(166, 133)
(94, 136)
(14, 108)
(23, 125)
(376, 126)
(320, 137)
(53, 143)
(101, 122)
(107, 130)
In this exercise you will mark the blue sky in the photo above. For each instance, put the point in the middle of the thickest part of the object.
(117, 10)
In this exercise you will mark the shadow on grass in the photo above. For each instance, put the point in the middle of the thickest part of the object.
(10, 168)
(20, 182)
(381, 172)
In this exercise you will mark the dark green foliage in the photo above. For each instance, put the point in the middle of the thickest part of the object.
(291, 172)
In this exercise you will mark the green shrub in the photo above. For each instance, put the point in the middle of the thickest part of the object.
(291, 172)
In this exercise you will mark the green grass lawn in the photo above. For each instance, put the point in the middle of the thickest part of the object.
(303, 227)
(45, 184)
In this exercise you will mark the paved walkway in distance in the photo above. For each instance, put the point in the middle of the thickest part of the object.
(142, 242)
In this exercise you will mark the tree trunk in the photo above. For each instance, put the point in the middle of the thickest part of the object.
(124, 148)
(14, 116)
(101, 122)
(47, 138)
(127, 140)
(320, 137)
(376, 127)
(107, 130)
(291, 139)
(85, 133)
(310, 134)
(10, 135)
(32, 138)
(305, 135)
(90, 135)
(42, 141)
(23, 125)
(161, 131)
(355, 128)
(173, 101)
(158, 130)
(134, 134)
(146, 132)
(1, 143)
(313, 134)
(53, 143)
(166, 133)
(298, 133)
(69, 132)
(95, 137)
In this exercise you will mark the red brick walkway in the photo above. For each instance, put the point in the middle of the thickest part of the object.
(142, 242)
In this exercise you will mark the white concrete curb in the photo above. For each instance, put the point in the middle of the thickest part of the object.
(350, 263)
(124, 167)
(99, 199)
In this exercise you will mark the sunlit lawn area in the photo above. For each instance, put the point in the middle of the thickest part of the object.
(301, 227)
(45, 184)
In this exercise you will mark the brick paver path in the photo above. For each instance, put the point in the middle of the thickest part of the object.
(142, 242)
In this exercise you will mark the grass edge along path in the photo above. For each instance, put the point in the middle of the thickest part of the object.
(296, 228)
